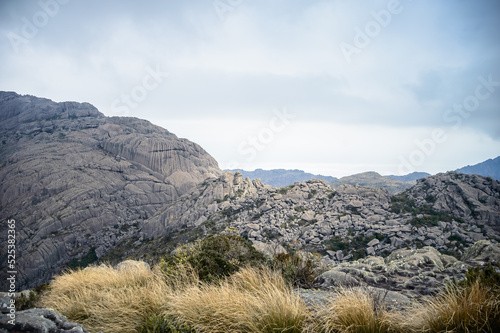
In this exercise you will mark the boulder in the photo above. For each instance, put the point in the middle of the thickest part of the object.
(334, 278)
(482, 252)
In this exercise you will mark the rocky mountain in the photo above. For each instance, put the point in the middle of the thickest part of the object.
(281, 177)
(487, 168)
(348, 223)
(373, 179)
(77, 182)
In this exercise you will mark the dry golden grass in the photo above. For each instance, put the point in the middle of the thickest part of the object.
(458, 309)
(355, 310)
(105, 299)
(252, 300)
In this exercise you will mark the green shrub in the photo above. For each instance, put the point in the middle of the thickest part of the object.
(488, 276)
(215, 256)
(299, 269)
(30, 302)
(300, 209)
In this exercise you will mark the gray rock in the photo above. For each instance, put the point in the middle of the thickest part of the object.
(482, 252)
(39, 321)
(131, 265)
(335, 278)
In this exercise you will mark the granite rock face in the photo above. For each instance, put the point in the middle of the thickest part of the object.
(472, 198)
(77, 182)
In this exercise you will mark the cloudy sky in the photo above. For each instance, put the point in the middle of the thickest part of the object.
(333, 87)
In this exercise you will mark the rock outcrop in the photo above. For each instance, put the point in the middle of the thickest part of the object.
(472, 198)
(80, 185)
(39, 321)
(77, 182)
(413, 273)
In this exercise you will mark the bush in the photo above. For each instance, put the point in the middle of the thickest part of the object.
(214, 257)
(299, 269)
(488, 276)
(30, 302)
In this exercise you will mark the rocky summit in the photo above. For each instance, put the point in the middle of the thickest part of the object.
(77, 182)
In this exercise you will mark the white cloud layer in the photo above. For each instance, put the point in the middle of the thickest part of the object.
(219, 82)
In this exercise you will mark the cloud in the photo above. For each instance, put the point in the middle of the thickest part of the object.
(262, 55)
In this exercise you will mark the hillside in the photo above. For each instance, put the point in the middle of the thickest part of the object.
(77, 182)
(347, 223)
(281, 177)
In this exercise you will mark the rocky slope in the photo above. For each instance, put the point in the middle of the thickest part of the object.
(348, 223)
(471, 198)
(76, 182)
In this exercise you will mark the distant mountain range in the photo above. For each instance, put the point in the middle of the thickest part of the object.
(487, 168)
(410, 177)
(392, 183)
(282, 177)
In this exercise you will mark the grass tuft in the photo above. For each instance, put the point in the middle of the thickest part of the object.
(251, 300)
(106, 299)
(458, 309)
(356, 311)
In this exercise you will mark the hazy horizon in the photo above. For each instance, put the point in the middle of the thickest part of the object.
(328, 87)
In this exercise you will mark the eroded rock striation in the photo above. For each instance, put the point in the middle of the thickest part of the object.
(76, 181)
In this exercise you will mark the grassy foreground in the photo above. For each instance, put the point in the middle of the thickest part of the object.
(139, 299)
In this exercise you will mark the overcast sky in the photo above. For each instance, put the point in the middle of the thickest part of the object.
(333, 87)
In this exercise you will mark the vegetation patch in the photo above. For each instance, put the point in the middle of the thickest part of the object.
(85, 261)
(252, 300)
(299, 269)
(284, 190)
(215, 256)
